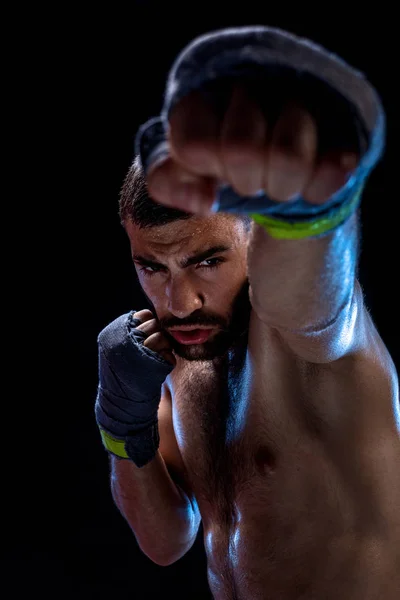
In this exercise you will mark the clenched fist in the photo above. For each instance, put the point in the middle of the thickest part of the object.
(266, 115)
(247, 151)
(134, 361)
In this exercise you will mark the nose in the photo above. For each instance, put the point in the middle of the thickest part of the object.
(183, 297)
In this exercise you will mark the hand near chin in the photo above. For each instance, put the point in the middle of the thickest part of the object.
(155, 340)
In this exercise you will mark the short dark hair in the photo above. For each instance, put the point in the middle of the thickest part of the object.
(136, 205)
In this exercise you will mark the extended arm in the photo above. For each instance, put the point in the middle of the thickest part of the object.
(307, 289)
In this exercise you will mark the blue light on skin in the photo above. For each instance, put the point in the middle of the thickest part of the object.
(234, 542)
(239, 392)
(233, 546)
(396, 402)
(208, 542)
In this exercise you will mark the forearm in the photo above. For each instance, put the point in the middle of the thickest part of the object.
(305, 283)
(159, 513)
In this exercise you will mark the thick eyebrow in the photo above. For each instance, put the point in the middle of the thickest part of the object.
(186, 262)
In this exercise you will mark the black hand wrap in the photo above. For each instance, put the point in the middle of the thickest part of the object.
(129, 391)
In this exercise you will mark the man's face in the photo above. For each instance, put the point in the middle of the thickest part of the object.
(194, 274)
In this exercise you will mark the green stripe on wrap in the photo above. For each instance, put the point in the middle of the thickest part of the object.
(294, 231)
(113, 445)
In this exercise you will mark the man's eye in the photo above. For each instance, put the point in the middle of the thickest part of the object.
(215, 262)
(147, 272)
(214, 265)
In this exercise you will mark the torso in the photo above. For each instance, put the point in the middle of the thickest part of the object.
(296, 474)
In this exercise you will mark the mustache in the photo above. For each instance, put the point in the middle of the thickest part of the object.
(200, 320)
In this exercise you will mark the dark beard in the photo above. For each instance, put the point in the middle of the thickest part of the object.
(231, 333)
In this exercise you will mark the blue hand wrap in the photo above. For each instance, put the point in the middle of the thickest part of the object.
(237, 52)
(129, 391)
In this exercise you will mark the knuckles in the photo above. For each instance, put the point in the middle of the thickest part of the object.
(248, 148)
(113, 335)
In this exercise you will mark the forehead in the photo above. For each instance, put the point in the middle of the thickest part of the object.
(181, 236)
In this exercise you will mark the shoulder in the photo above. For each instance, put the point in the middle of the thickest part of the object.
(347, 359)
(363, 347)
(351, 333)
(367, 364)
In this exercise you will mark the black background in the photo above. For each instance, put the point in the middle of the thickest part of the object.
(92, 77)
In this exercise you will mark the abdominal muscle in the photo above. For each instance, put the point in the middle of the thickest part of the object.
(299, 529)
(298, 535)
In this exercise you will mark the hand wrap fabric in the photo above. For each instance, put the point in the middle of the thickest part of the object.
(129, 391)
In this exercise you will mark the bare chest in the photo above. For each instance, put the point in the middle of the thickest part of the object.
(211, 420)
(232, 424)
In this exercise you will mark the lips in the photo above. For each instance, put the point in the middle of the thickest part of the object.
(195, 336)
